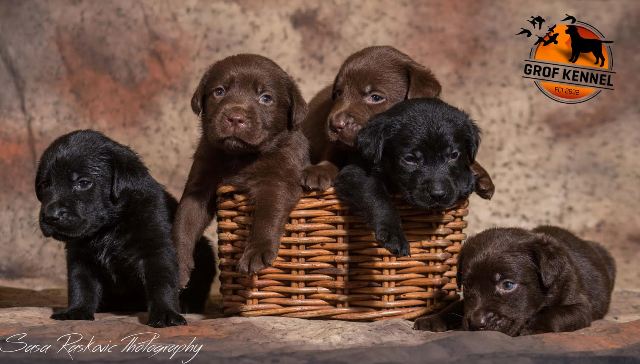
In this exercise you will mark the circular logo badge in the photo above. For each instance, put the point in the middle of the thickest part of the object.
(572, 63)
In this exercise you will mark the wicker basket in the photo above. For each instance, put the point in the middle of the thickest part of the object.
(329, 265)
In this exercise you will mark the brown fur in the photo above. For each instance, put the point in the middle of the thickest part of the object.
(253, 145)
(339, 111)
(523, 282)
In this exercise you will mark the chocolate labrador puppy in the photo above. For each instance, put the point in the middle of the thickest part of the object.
(369, 82)
(115, 220)
(421, 149)
(250, 111)
(523, 282)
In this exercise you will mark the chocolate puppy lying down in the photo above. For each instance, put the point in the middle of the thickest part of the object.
(250, 111)
(115, 219)
(421, 149)
(523, 282)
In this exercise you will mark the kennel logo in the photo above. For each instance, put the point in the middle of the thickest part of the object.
(571, 62)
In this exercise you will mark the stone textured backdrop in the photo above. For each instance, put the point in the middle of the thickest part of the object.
(129, 68)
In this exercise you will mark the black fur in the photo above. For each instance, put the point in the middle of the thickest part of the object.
(524, 282)
(421, 149)
(115, 220)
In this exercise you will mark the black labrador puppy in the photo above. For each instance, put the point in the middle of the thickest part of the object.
(421, 149)
(524, 282)
(115, 220)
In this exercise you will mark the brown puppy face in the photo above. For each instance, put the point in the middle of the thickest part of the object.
(505, 274)
(245, 102)
(372, 81)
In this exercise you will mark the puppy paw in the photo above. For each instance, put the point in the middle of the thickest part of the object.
(165, 318)
(392, 238)
(319, 176)
(434, 323)
(256, 258)
(74, 314)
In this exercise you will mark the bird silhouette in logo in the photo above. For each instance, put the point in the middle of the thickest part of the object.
(540, 39)
(552, 39)
(551, 29)
(525, 31)
(536, 20)
(584, 45)
(569, 17)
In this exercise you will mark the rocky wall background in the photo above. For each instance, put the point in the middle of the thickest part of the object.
(129, 68)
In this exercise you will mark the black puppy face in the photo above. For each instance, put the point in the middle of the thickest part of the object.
(245, 101)
(505, 275)
(78, 185)
(425, 147)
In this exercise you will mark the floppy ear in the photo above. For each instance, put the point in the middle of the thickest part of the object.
(422, 83)
(550, 259)
(297, 107)
(473, 140)
(372, 137)
(129, 174)
(197, 100)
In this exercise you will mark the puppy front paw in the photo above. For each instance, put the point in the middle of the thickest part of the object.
(434, 323)
(319, 176)
(165, 318)
(392, 238)
(74, 314)
(256, 258)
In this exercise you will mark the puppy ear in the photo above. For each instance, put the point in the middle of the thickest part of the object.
(473, 140)
(372, 137)
(129, 173)
(422, 83)
(197, 100)
(297, 107)
(550, 258)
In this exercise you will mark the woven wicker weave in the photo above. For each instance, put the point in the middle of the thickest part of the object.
(330, 267)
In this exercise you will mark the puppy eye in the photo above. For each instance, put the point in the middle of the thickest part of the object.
(337, 93)
(508, 286)
(411, 158)
(265, 99)
(454, 155)
(84, 184)
(375, 99)
(219, 91)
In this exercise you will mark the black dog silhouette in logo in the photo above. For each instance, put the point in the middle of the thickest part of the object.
(525, 31)
(584, 45)
(551, 29)
(570, 18)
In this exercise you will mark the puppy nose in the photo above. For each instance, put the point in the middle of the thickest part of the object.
(235, 119)
(437, 193)
(339, 122)
(477, 321)
(55, 213)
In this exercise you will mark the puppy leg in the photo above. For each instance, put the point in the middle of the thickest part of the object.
(450, 318)
(484, 185)
(161, 286)
(273, 204)
(195, 212)
(559, 319)
(319, 176)
(84, 288)
(367, 195)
